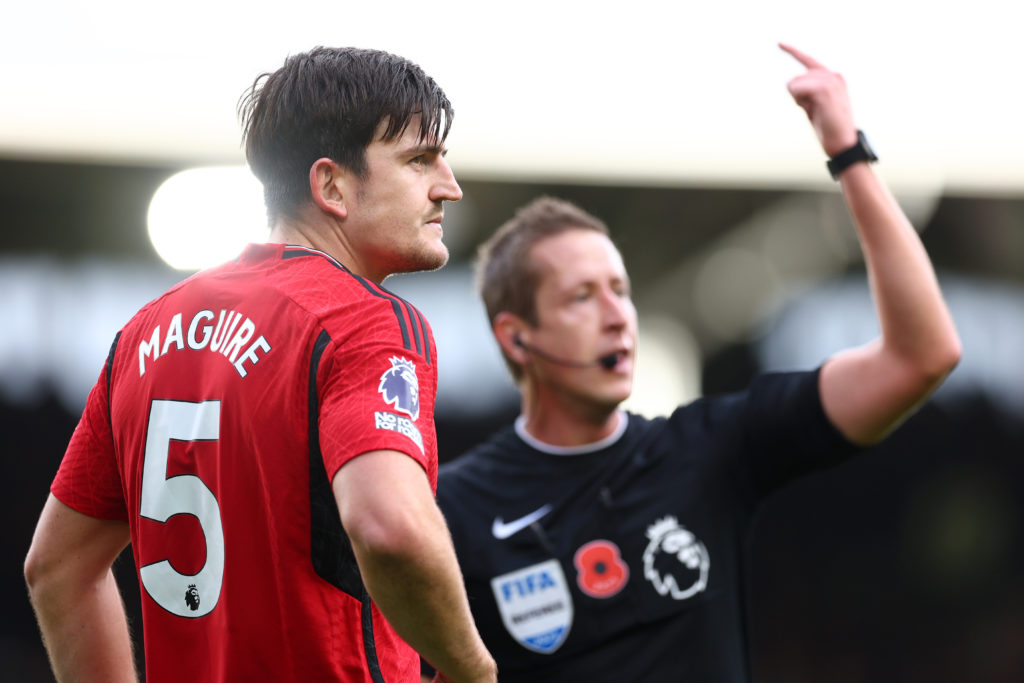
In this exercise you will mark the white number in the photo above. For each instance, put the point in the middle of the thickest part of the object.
(163, 497)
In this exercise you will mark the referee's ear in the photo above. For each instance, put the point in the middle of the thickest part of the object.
(512, 334)
(327, 186)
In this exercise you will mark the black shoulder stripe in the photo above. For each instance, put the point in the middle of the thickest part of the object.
(108, 369)
(395, 306)
(396, 302)
(419, 327)
(426, 336)
(419, 320)
(415, 329)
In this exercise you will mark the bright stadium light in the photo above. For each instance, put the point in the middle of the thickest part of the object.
(203, 216)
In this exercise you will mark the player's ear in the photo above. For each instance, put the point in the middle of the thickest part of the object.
(328, 187)
(512, 334)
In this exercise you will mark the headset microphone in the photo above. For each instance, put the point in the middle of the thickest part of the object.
(608, 361)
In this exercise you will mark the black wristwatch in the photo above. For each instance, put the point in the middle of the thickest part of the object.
(859, 152)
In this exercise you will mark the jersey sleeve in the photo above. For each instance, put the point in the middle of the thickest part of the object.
(783, 429)
(88, 479)
(377, 394)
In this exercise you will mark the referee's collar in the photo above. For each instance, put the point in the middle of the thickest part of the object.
(620, 428)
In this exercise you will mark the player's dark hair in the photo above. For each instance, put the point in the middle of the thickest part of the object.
(506, 277)
(329, 102)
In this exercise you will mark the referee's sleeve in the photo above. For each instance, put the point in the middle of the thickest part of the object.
(787, 432)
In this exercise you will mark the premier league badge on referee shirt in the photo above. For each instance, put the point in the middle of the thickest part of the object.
(675, 561)
(535, 605)
(399, 386)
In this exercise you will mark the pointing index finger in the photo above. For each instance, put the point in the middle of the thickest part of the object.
(802, 57)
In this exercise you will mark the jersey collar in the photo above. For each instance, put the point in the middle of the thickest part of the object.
(620, 428)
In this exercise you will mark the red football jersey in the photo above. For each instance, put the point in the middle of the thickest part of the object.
(225, 408)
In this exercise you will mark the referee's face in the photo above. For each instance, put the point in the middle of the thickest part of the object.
(585, 316)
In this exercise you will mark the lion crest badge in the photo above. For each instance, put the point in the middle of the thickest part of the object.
(675, 562)
(400, 387)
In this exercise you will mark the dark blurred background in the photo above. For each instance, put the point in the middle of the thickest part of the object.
(906, 564)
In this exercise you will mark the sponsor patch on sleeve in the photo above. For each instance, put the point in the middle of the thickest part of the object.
(402, 425)
(400, 389)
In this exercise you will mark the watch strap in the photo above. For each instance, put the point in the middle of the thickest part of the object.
(861, 151)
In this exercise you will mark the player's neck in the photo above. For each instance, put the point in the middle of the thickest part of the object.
(314, 234)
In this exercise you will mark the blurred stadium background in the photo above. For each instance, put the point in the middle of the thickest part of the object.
(673, 124)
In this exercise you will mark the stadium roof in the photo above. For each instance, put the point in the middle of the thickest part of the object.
(643, 92)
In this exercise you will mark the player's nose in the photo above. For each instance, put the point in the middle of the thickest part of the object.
(445, 186)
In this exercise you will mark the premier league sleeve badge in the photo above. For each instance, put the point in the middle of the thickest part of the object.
(400, 388)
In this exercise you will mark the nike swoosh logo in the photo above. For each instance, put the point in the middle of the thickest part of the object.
(502, 530)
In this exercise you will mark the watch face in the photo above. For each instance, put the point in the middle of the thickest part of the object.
(862, 141)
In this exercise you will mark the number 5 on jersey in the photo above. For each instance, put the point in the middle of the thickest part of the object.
(163, 497)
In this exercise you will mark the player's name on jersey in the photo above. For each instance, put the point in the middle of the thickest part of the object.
(227, 333)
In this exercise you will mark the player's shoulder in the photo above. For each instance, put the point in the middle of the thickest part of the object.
(154, 307)
(346, 302)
